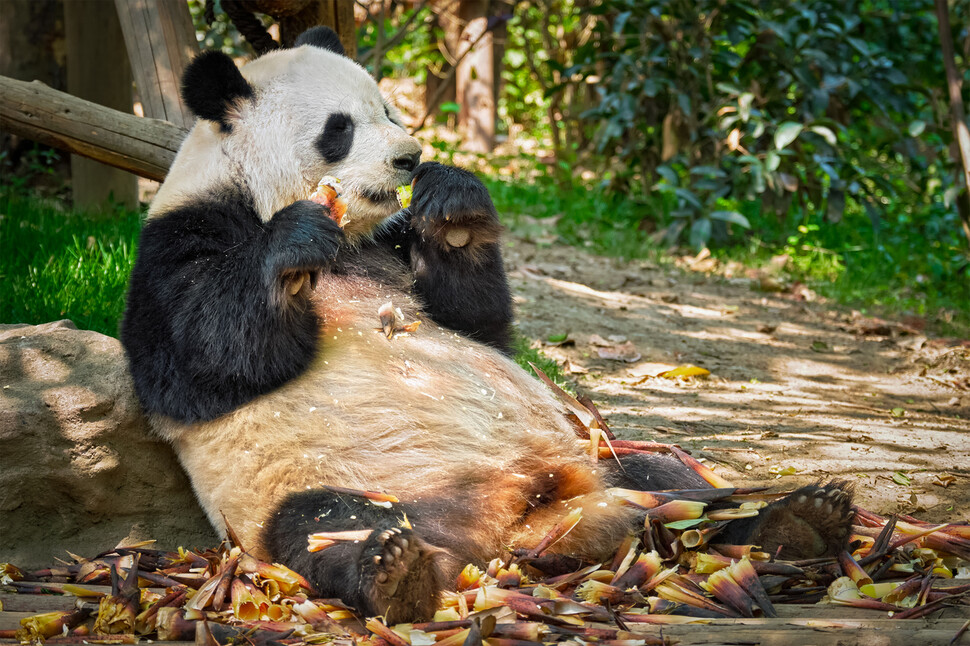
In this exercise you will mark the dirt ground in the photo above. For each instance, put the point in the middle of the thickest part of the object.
(798, 390)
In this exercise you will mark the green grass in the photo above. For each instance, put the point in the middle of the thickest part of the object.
(915, 264)
(64, 265)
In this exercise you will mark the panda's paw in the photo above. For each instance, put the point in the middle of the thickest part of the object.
(302, 240)
(813, 521)
(404, 582)
(451, 208)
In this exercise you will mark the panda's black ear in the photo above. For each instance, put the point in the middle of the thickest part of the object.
(322, 37)
(211, 84)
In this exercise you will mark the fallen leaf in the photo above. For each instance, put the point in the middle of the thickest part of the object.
(779, 470)
(650, 369)
(685, 371)
(556, 339)
(573, 368)
(767, 329)
(944, 480)
(898, 412)
(621, 352)
(901, 479)
(819, 346)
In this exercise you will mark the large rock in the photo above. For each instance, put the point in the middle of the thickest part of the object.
(79, 470)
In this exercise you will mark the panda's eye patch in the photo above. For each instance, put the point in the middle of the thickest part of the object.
(337, 137)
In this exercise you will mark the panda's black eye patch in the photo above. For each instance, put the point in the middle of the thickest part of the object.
(337, 137)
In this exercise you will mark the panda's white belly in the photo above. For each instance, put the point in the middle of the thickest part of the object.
(411, 416)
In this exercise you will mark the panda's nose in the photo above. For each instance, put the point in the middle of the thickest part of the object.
(407, 162)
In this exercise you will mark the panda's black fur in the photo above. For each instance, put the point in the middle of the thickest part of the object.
(254, 342)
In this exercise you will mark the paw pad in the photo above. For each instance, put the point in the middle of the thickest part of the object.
(398, 552)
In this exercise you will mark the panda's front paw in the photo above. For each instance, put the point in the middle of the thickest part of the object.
(303, 239)
(452, 208)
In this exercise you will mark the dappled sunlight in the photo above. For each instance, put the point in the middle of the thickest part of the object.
(792, 389)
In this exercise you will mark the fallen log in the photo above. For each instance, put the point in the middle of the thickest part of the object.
(145, 147)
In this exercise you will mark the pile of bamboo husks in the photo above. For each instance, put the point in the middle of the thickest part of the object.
(673, 576)
(663, 578)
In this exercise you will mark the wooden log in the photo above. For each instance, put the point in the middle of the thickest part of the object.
(36, 603)
(161, 41)
(818, 632)
(139, 145)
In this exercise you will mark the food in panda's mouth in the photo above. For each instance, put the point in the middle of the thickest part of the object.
(328, 193)
(404, 193)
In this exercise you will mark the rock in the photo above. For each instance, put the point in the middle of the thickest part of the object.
(79, 470)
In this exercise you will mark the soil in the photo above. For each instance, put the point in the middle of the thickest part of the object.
(799, 390)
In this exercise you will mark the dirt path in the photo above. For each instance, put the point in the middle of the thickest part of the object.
(794, 386)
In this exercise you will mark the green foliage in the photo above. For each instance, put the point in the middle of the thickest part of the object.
(55, 264)
(807, 106)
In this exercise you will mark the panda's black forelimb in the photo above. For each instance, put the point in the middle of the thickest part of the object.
(210, 322)
(455, 252)
(392, 572)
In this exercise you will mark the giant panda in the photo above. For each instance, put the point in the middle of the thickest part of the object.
(254, 342)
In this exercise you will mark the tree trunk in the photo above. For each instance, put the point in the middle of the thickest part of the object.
(440, 87)
(160, 41)
(961, 133)
(98, 71)
(337, 14)
(31, 48)
(475, 80)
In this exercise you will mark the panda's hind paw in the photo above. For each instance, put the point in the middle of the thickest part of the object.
(404, 580)
(813, 521)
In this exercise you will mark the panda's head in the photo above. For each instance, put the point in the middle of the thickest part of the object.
(286, 119)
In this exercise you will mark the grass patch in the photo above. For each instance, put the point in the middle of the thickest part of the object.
(525, 354)
(57, 264)
(914, 263)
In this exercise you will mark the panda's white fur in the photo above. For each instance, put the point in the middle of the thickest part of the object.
(272, 143)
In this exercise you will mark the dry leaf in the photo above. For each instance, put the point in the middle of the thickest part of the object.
(684, 372)
(621, 352)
